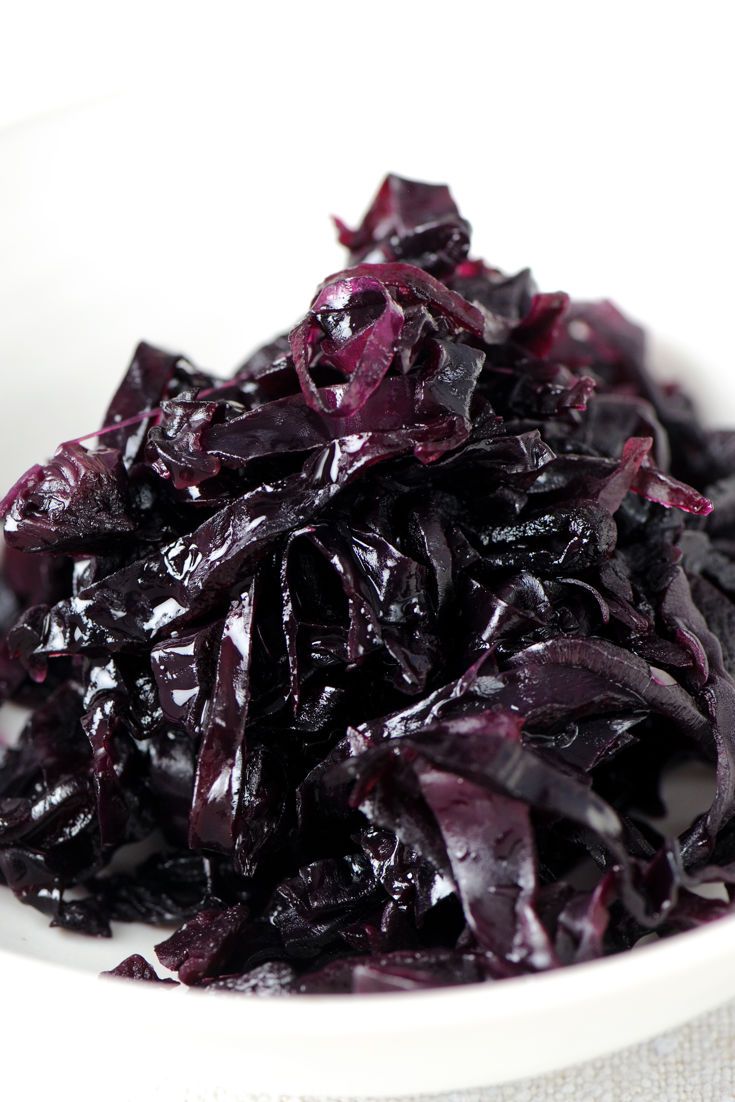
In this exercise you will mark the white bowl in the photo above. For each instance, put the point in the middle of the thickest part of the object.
(200, 1044)
(109, 254)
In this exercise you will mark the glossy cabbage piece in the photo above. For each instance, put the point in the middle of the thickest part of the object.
(385, 647)
(413, 222)
(136, 967)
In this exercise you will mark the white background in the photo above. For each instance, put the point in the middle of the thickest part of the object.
(167, 172)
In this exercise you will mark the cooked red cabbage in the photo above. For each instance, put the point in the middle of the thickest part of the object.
(384, 646)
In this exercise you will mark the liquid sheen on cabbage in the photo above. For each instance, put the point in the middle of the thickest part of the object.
(384, 647)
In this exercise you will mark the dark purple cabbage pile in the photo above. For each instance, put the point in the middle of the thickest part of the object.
(383, 646)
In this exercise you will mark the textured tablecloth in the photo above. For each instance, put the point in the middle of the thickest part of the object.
(693, 1064)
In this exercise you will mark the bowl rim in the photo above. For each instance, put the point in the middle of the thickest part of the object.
(229, 1013)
